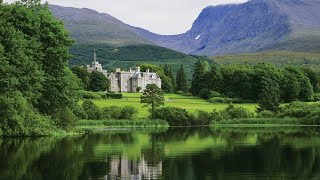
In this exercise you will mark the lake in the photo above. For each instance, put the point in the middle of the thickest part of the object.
(173, 153)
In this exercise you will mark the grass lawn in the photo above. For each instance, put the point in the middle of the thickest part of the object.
(191, 104)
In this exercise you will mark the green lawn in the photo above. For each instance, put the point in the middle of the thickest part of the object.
(191, 104)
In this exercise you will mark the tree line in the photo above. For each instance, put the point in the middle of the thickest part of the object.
(263, 83)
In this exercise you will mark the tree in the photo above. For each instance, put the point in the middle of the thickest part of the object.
(182, 84)
(171, 76)
(198, 77)
(98, 82)
(166, 83)
(153, 97)
(83, 74)
(269, 96)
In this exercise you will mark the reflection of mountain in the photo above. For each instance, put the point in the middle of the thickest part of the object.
(123, 168)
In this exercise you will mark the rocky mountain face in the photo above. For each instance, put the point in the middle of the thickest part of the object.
(89, 26)
(256, 25)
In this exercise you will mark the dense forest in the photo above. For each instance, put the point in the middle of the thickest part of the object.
(38, 92)
(264, 83)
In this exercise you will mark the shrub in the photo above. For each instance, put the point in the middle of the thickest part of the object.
(114, 96)
(112, 112)
(92, 110)
(65, 118)
(316, 97)
(128, 112)
(204, 93)
(298, 109)
(216, 116)
(220, 100)
(216, 94)
(90, 95)
(232, 112)
(266, 114)
(202, 118)
(174, 116)
(80, 113)
(312, 118)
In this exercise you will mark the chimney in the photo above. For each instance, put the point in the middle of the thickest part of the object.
(138, 68)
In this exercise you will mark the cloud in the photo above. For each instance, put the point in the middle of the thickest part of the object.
(159, 16)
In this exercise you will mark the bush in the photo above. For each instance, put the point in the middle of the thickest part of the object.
(216, 94)
(298, 109)
(266, 114)
(90, 95)
(128, 112)
(92, 110)
(202, 118)
(232, 112)
(65, 118)
(312, 118)
(80, 113)
(204, 93)
(316, 97)
(112, 112)
(114, 96)
(174, 116)
(220, 100)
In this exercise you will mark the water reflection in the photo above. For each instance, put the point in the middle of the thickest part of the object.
(175, 153)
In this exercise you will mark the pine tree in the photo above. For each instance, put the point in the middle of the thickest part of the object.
(198, 77)
(171, 76)
(182, 83)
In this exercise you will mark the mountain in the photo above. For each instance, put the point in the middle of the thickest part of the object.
(89, 26)
(257, 25)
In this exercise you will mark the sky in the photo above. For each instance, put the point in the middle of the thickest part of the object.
(165, 17)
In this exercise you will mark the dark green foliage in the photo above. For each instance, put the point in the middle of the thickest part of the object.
(314, 78)
(202, 118)
(34, 53)
(153, 97)
(204, 93)
(198, 77)
(114, 95)
(91, 95)
(92, 110)
(112, 112)
(312, 118)
(266, 114)
(221, 100)
(263, 83)
(269, 96)
(80, 113)
(116, 112)
(83, 74)
(174, 116)
(128, 112)
(65, 118)
(232, 112)
(181, 80)
(18, 118)
(166, 83)
(298, 109)
(98, 82)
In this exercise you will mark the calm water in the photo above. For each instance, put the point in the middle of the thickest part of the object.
(175, 153)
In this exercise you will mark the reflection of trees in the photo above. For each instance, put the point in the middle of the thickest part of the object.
(176, 154)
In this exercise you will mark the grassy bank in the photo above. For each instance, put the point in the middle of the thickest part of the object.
(190, 103)
(259, 122)
(99, 124)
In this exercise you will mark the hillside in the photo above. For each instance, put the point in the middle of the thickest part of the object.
(257, 25)
(279, 58)
(89, 26)
(129, 56)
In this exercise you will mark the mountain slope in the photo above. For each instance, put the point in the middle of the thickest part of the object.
(249, 27)
(89, 26)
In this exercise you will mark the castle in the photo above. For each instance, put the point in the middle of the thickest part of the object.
(126, 81)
